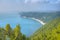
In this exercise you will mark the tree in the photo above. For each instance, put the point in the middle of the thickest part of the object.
(2, 34)
(9, 34)
(23, 37)
(17, 33)
(8, 29)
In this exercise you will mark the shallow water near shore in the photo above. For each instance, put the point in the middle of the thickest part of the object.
(28, 26)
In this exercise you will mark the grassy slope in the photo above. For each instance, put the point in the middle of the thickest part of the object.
(50, 31)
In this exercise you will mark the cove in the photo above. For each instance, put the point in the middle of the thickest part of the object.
(28, 26)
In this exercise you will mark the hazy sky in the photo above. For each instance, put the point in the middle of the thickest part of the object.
(29, 5)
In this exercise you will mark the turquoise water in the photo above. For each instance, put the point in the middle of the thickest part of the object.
(28, 26)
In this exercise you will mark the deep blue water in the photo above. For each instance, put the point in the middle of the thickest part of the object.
(28, 26)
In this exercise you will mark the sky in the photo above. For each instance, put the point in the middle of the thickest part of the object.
(29, 5)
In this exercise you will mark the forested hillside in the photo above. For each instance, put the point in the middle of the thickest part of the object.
(50, 31)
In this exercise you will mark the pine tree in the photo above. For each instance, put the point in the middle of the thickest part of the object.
(8, 29)
(17, 33)
(24, 37)
(2, 34)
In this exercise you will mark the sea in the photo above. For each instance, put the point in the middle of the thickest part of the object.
(28, 26)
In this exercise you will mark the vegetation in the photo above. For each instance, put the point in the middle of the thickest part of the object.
(12, 34)
(50, 31)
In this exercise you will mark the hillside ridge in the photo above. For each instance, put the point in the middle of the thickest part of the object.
(49, 31)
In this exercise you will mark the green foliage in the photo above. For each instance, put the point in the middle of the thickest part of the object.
(24, 37)
(17, 33)
(50, 31)
(9, 34)
(8, 28)
(2, 34)
(17, 30)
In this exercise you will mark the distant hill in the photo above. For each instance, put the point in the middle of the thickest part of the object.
(44, 16)
(50, 31)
